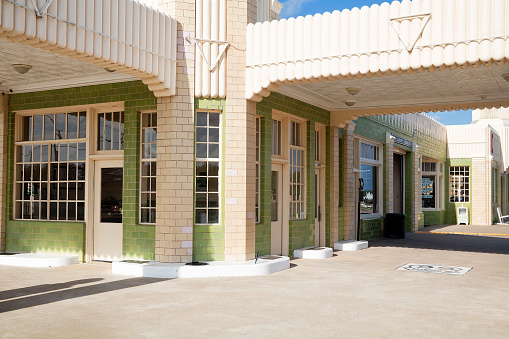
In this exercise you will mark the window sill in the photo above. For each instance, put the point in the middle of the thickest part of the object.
(433, 209)
(371, 216)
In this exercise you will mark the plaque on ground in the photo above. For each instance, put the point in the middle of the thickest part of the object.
(435, 269)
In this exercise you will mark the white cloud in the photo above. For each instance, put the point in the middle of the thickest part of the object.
(293, 7)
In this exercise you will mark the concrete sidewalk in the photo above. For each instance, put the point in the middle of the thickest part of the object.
(501, 230)
(353, 294)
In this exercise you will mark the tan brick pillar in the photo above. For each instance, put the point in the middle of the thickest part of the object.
(349, 189)
(4, 109)
(175, 147)
(480, 191)
(389, 172)
(334, 185)
(416, 189)
(240, 148)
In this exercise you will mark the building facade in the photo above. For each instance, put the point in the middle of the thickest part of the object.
(151, 130)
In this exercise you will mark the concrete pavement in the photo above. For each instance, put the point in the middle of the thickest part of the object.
(353, 294)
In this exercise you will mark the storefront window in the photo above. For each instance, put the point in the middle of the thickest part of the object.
(459, 184)
(50, 167)
(369, 173)
(370, 196)
(432, 185)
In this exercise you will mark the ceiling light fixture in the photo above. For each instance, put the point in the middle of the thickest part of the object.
(21, 68)
(353, 90)
(506, 77)
(350, 102)
(109, 70)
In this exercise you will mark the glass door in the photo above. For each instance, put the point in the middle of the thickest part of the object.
(108, 187)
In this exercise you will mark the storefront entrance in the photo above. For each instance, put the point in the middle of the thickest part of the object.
(108, 185)
(398, 184)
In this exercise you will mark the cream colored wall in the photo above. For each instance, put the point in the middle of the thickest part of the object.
(240, 116)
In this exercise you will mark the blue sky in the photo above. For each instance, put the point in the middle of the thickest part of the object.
(294, 8)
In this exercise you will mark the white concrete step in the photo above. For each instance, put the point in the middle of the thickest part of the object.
(350, 245)
(151, 269)
(313, 252)
(37, 259)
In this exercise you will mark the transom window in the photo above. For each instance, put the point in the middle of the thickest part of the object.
(148, 176)
(370, 152)
(110, 131)
(50, 167)
(459, 184)
(207, 167)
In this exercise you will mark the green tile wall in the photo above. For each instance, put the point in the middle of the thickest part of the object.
(138, 240)
(48, 237)
(209, 240)
(371, 228)
(302, 232)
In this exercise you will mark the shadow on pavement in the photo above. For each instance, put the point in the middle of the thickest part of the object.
(447, 242)
(21, 292)
(77, 292)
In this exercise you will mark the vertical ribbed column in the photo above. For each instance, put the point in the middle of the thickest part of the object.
(480, 191)
(175, 147)
(416, 185)
(3, 167)
(334, 185)
(349, 196)
(240, 140)
(389, 172)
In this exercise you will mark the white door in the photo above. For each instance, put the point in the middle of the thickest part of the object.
(108, 186)
(318, 208)
(276, 207)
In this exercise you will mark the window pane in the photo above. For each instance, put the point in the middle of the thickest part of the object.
(369, 175)
(49, 126)
(60, 126)
(38, 128)
(72, 125)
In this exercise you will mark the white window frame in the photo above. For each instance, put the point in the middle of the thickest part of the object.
(152, 160)
(207, 160)
(378, 162)
(438, 173)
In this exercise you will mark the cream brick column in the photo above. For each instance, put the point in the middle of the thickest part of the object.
(334, 185)
(175, 147)
(349, 191)
(4, 109)
(240, 148)
(499, 190)
(389, 172)
(480, 191)
(416, 189)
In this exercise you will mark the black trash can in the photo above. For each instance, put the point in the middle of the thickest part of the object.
(394, 225)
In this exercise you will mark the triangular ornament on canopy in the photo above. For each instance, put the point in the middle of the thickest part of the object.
(410, 43)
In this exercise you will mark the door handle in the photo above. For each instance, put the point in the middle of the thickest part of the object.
(319, 214)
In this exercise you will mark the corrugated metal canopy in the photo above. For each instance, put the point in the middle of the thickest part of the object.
(460, 54)
(123, 35)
